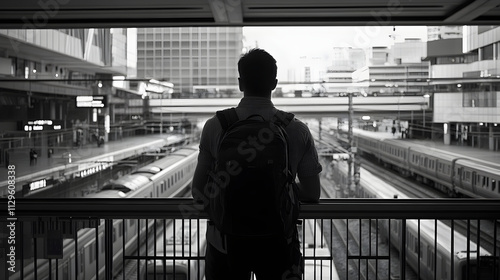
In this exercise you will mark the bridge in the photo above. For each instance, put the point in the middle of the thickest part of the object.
(404, 107)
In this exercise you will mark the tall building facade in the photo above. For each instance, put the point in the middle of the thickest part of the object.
(192, 58)
(410, 51)
(443, 32)
(42, 73)
(464, 76)
(348, 58)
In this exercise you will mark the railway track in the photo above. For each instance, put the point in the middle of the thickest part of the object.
(344, 238)
(486, 230)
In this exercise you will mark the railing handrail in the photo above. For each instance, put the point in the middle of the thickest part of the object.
(161, 208)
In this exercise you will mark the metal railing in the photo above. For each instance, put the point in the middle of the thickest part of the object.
(164, 239)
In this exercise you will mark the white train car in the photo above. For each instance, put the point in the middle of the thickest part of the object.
(83, 258)
(421, 253)
(452, 174)
(183, 239)
(318, 263)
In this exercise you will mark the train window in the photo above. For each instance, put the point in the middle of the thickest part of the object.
(466, 176)
(114, 234)
(65, 271)
(430, 258)
(91, 253)
(425, 162)
(444, 269)
(162, 185)
(101, 241)
(416, 245)
(493, 184)
(479, 180)
(81, 256)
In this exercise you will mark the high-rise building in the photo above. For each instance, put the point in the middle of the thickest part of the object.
(412, 50)
(443, 32)
(348, 58)
(190, 57)
(464, 81)
(54, 67)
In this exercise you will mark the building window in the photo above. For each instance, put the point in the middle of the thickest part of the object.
(487, 53)
(479, 99)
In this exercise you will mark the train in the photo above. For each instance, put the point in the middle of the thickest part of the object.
(455, 175)
(314, 248)
(183, 238)
(434, 260)
(318, 262)
(167, 177)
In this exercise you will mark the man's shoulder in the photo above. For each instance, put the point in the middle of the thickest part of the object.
(212, 123)
(298, 124)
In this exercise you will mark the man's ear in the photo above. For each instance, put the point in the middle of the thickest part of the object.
(275, 84)
(241, 84)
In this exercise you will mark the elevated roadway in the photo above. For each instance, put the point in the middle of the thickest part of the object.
(404, 107)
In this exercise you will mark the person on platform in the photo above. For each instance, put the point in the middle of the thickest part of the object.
(230, 258)
(33, 157)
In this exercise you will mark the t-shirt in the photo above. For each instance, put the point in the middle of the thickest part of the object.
(303, 156)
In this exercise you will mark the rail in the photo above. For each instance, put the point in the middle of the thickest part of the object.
(64, 228)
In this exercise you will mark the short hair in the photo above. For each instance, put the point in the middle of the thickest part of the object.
(258, 70)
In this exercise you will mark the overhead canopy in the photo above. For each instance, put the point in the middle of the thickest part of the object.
(159, 13)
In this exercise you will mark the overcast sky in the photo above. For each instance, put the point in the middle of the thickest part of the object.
(287, 44)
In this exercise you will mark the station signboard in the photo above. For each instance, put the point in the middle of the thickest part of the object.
(91, 101)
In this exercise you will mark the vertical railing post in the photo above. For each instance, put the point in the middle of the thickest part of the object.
(402, 255)
(108, 248)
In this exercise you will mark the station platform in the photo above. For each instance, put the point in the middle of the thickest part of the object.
(478, 154)
(67, 160)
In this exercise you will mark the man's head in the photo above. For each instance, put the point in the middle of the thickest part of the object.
(257, 70)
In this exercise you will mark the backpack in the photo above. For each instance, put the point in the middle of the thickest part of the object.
(252, 190)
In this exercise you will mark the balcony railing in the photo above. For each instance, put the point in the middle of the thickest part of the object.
(164, 239)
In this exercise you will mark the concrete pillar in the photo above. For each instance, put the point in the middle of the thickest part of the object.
(319, 128)
(52, 105)
(446, 133)
(491, 138)
(44, 146)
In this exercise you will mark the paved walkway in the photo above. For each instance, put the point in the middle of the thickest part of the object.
(71, 159)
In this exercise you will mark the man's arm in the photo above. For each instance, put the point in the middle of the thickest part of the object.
(199, 180)
(309, 188)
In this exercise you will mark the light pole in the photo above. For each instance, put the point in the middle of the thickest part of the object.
(351, 186)
(161, 114)
(425, 106)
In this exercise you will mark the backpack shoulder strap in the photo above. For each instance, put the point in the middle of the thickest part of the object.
(283, 118)
(227, 117)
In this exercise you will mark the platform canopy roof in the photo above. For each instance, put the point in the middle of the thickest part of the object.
(163, 13)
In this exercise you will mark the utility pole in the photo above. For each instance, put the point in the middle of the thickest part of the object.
(353, 176)
(350, 181)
